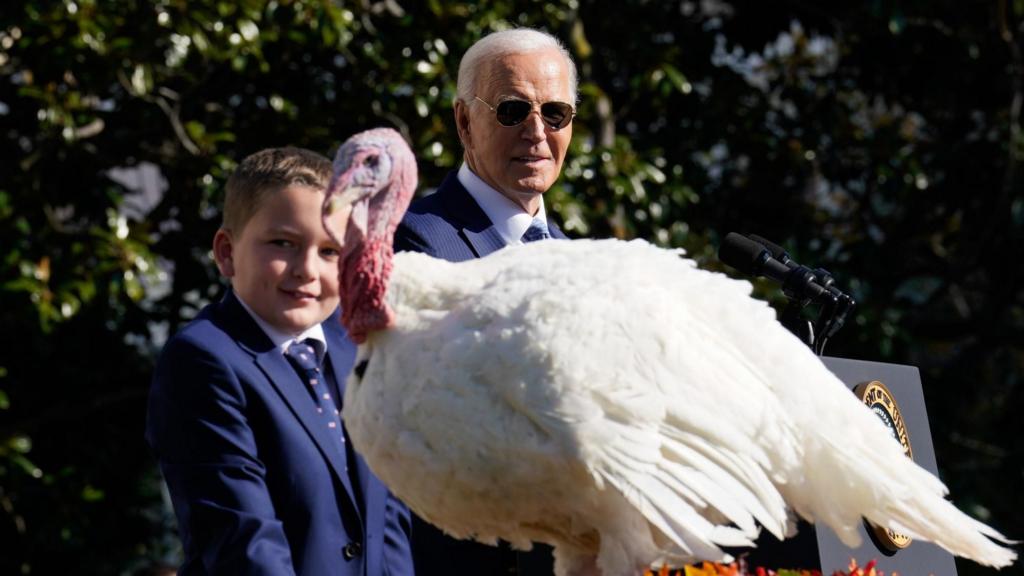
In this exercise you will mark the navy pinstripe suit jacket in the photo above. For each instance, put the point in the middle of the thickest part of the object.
(449, 224)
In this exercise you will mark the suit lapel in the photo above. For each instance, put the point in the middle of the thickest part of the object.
(483, 243)
(374, 493)
(342, 355)
(555, 231)
(283, 378)
(475, 228)
(487, 241)
(288, 384)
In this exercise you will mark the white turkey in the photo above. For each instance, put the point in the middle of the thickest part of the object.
(606, 397)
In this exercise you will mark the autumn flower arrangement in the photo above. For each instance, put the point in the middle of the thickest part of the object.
(741, 569)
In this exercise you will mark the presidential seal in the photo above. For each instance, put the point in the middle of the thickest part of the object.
(878, 398)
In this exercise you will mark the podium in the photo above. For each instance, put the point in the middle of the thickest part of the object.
(817, 547)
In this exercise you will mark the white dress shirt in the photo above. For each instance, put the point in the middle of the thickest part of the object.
(509, 220)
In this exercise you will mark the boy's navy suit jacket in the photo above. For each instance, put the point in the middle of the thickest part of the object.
(258, 485)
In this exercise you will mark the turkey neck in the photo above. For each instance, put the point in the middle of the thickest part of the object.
(364, 283)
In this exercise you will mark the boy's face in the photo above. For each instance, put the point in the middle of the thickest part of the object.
(282, 263)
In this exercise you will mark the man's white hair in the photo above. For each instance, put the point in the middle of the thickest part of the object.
(503, 43)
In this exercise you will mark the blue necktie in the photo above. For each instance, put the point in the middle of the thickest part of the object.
(303, 357)
(538, 230)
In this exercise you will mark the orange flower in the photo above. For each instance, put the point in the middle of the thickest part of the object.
(741, 569)
(706, 569)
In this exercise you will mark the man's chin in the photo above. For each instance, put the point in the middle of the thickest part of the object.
(531, 182)
(533, 185)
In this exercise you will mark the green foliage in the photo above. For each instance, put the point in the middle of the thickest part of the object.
(881, 142)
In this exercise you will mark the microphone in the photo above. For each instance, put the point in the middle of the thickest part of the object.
(823, 277)
(755, 259)
(756, 256)
(778, 252)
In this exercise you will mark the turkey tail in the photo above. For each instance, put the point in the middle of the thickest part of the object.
(881, 484)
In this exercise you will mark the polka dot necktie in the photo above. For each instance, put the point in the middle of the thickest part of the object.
(538, 230)
(304, 358)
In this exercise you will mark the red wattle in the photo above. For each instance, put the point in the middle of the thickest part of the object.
(364, 283)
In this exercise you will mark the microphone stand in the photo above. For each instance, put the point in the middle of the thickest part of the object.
(835, 308)
(792, 318)
(835, 304)
(832, 317)
(802, 286)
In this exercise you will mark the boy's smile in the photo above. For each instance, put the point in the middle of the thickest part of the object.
(283, 264)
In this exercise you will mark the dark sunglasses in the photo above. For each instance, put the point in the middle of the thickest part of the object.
(513, 112)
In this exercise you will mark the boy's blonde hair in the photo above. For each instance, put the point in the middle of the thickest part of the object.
(267, 172)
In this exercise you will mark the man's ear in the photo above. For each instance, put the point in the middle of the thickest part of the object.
(222, 249)
(462, 124)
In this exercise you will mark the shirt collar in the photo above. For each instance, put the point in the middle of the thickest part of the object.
(507, 218)
(282, 340)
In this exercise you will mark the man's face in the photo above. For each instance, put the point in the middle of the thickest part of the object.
(520, 161)
(282, 263)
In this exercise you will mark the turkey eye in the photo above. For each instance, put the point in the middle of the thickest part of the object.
(372, 161)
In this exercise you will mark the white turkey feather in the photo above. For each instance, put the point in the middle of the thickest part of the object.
(614, 400)
(688, 399)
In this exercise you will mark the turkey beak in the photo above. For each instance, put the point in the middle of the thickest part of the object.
(345, 215)
(336, 214)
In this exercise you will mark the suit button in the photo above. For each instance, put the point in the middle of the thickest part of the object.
(351, 550)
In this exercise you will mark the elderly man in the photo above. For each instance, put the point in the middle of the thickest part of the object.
(514, 111)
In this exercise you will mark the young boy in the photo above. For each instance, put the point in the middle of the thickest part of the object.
(243, 416)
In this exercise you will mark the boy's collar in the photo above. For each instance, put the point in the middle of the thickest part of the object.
(280, 339)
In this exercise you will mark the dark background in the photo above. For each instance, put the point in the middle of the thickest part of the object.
(880, 140)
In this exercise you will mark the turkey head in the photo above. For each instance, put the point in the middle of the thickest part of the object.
(374, 181)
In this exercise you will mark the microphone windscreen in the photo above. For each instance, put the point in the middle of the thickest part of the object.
(742, 253)
(777, 251)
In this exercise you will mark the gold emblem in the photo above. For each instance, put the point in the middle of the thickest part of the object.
(878, 398)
